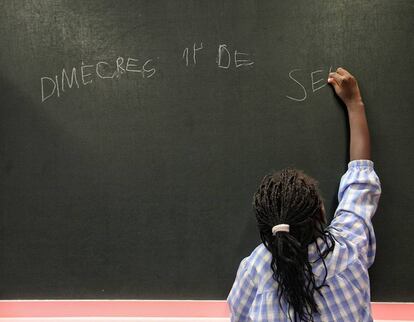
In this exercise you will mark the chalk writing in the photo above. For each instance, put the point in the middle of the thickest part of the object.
(195, 49)
(316, 85)
(87, 73)
(224, 58)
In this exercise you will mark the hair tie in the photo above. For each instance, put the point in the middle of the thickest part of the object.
(281, 227)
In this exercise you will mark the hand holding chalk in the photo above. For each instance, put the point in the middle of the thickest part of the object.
(346, 86)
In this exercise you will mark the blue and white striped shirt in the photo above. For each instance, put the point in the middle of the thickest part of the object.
(254, 296)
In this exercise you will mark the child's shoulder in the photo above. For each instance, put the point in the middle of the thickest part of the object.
(258, 258)
(259, 253)
(257, 266)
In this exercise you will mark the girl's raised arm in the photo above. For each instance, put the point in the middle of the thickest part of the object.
(346, 87)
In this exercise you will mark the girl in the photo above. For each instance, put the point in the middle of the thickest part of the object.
(305, 270)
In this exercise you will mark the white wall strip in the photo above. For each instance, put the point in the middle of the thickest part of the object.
(121, 319)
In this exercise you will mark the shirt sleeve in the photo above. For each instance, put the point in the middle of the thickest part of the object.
(358, 196)
(242, 294)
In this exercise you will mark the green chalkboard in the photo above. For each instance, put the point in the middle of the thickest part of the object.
(134, 133)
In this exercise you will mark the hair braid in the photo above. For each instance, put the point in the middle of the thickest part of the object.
(291, 197)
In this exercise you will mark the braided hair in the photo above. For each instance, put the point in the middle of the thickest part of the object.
(291, 197)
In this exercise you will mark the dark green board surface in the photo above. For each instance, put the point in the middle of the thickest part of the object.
(140, 186)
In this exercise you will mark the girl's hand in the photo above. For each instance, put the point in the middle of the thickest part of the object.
(346, 87)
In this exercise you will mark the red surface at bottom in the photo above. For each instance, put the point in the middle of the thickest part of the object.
(135, 308)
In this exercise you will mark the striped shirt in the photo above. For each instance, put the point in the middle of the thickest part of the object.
(254, 296)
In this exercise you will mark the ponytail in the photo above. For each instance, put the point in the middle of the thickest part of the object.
(290, 197)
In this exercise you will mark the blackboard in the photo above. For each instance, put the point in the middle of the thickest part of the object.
(133, 177)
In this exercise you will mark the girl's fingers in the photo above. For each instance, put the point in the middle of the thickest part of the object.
(343, 72)
(338, 78)
(345, 85)
(333, 82)
(340, 71)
